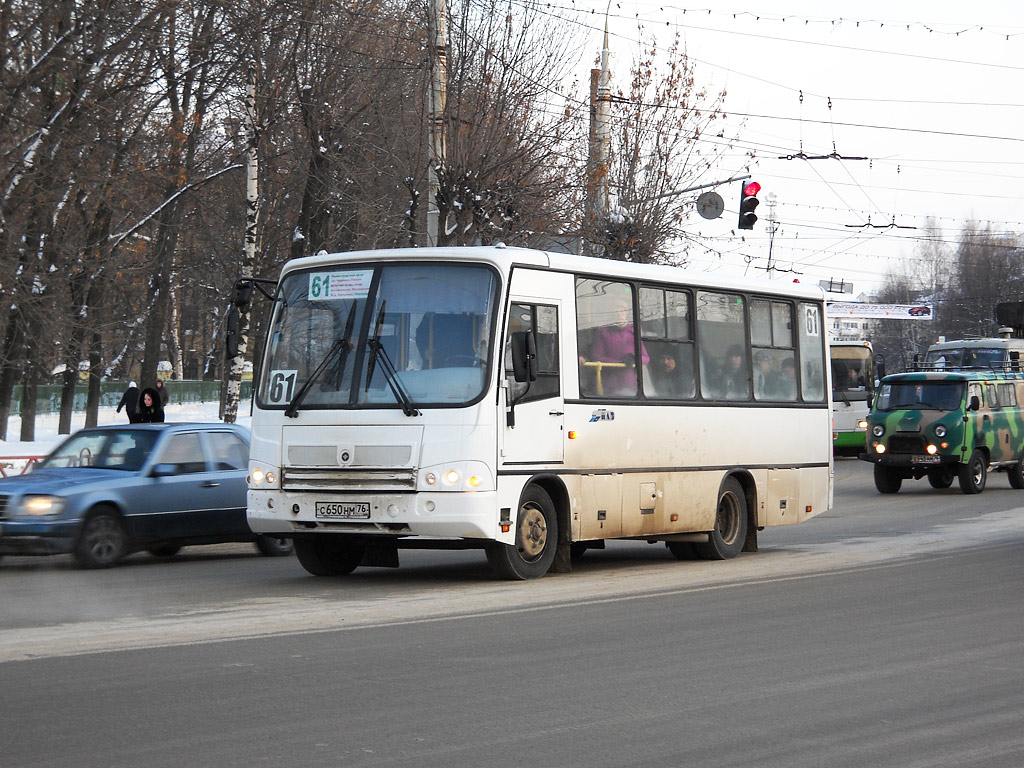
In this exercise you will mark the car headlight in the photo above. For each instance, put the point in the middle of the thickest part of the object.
(940, 430)
(878, 430)
(40, 506)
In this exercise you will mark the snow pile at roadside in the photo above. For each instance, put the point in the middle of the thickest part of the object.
(47, 423)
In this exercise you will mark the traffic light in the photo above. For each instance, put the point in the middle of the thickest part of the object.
(748, 202)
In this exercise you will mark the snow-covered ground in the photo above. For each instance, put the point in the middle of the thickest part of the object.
(46, 426)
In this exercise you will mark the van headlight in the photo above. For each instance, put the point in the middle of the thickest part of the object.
(940, 430)
(41, 506)
(878, 430)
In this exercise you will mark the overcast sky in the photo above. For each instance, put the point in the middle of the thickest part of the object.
(930, 92)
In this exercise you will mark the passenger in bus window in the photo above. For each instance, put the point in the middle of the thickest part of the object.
(766, 378)
(787, 382)
(671, 373)
(734, 374)
(615, 344)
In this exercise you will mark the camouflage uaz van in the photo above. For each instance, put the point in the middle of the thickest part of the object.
(947, 426)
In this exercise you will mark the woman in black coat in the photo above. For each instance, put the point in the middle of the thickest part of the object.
(150, 409)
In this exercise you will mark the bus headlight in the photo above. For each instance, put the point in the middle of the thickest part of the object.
(262, 477)
(862, 424)
(878, 430)
(940, 430)
(457, 476)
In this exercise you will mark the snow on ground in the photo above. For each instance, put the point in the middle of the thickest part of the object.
(46, 426)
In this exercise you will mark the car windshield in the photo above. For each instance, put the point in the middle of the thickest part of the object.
(125, 450)
(395, 335)
(921, 395)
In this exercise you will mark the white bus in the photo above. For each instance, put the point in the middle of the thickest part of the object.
(853, 389)
(533, 405)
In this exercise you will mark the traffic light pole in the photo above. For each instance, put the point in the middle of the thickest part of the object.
(690, 189)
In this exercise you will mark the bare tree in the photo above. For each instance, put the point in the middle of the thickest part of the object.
(660, 146)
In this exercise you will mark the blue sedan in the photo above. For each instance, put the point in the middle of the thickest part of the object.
(108, 491)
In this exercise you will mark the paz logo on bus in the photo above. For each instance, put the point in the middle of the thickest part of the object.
(602, 414)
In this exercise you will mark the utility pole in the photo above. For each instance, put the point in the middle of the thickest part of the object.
(600, 147)
(773, 226)
(436, 102)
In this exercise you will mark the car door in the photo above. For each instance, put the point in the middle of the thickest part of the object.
(177, 506)
(226, 487)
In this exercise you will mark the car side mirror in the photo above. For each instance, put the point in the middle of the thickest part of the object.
(975, 403)
(163, 470)
(524, 356)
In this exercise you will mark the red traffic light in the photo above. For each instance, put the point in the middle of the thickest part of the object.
(748, 202)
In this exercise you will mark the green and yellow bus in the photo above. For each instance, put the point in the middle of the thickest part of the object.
(947, 426)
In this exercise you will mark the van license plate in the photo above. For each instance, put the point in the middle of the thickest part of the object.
(343, 510)
(926, 459)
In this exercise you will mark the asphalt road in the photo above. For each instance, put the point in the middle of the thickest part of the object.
(887, 632)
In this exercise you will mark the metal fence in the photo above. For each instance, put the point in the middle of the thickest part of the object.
(48, 395)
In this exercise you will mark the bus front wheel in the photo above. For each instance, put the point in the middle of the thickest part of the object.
(329, 554)
(730, 532)
(536, 539)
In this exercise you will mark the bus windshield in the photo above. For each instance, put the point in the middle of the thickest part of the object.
(921, 395)
(392, 335)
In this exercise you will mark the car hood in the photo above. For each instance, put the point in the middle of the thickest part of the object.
(58, 480)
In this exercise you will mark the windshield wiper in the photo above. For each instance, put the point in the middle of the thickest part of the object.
(340, 349)
(390, 372)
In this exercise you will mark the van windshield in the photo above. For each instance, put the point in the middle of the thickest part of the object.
(920, 395)
(974, 357)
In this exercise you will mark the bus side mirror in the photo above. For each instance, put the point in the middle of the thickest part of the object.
(231, 334)
(524, 356)
(975, 403)
(241, 296)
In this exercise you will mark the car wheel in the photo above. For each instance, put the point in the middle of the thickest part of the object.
(165, 550)
(329, 554)
(974, 473)
(730, 532)
(887, 479)
(536, 539)
(102, 541)
(271, 546)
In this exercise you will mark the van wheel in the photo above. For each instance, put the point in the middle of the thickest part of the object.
(940, 478)
(1016, 473)
(974, 473)
(887, 479)
(536, 539)
(730, 532)
(329, 554)
(102, 541)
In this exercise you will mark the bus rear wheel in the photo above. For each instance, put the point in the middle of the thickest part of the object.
(328, 554)
(730, 531)
(536, 539)
(974, 473)
(887, 479)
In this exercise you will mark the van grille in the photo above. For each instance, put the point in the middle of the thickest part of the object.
(906, 444)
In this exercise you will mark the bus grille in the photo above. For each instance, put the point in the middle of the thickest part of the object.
(346, 480)
(906, 444)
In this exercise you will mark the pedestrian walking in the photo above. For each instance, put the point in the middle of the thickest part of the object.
(130, 402)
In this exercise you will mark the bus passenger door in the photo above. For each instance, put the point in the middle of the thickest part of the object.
(533, 419)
